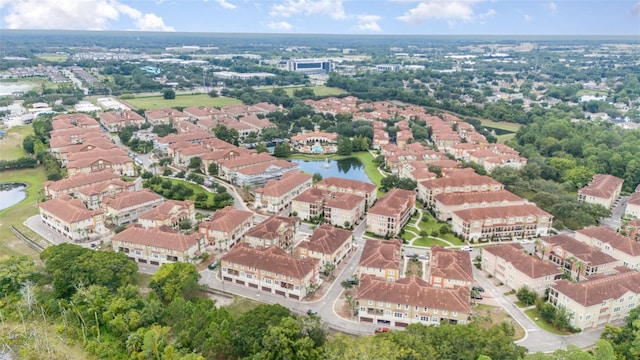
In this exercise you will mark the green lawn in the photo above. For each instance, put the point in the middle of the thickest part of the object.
(520, 304)
(533, 314)
(11, 146)
(429, 241)
(241, 305)
(317, 90)
(590, 92)
(433, 224)
(157, 102)
(18, 213)
(53, 58)
(503, 139)
(36, 82)
(197, 189)
(502, 125)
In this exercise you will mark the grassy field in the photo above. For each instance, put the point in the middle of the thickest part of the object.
(18, 213)
(53, 58)
(318, 90)
(241, 305)
(197, 189)
(36, 82)
(11, 146)
(533, 314)
(428, 242)
(502, 125)
(590, 92)
(157, 102)
(433, 224)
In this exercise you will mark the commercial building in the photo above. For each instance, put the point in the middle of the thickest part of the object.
(310, 66)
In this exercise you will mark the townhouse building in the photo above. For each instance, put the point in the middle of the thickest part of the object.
(125, 207)
(391, 213)
(96, 160)
(94, 195)
(70, 218)
(446, 203)
(602, 190)
(449, 268)
(576, 258)
(411, 300)
(276, 195)
(459, 182)
(381, 258)
(601, 300)
(501, 223)
(203, 113)
(274, 231)
(344, 210)
(227, 168)
(607, 240)
(157, 246)
(511, 265)
(71, 185)
(260, 174)
(226, 227)
(101, 143)
(165, 116)
(169, 214)
(75, 120)
(309, 204)
(271, 270)
(114, 121)
(633, 206)
(360, 188)
(328, 244)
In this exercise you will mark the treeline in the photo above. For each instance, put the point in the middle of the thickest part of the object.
(38, 145)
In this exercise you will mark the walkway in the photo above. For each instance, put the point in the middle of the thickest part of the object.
(417, 236)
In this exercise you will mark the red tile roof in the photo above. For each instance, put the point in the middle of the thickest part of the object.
(226, 219)
(607, 235)
(529, 265)
(68, 209)
(326, 239)
(602, 186)
(600, 288)
(395, 202)
(271, 259)
(450, 264)
(289, 181)
(381, 254)
(127, 199)
(157, 237)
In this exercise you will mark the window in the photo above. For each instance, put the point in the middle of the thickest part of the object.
(426, 309)
(454, 313)
(296, 287)
(424, 318)
(398, 306)
(362, 309)
(370, 302)
(616, 309)
(397, 314)
(445, 312)
(435, 311)
(434, 320)
(268, 281)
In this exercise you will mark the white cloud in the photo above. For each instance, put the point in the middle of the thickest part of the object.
(552, 7)
(635, 9)
(527, 17)
(482, 18)
(76, 15)
(225, 4)
(288, 8)
(279, 25)
(452, 11)
(368, 23)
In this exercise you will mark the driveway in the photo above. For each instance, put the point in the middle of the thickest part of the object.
(617, 213)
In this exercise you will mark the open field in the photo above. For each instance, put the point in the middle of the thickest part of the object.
(240, 306)
(53, 58)
(590, 92)
(18, 213)
(11, 146)
(35, 82)
(502, 125)
(157, 102)
(197, 189)
(318, 90)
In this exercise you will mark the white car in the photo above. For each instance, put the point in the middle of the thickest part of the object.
(466, 248)
(524, 241)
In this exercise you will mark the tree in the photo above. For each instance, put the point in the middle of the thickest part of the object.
(28, 143)
(195, 162)
(253, 325)
(261, 148)
(169, 94)
(175, 280)
(282, 150)
(185, 224)
(345, 147)
(316, 177)
(213, 169)
(526, 295)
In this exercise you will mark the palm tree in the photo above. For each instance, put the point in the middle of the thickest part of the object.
(580, 266)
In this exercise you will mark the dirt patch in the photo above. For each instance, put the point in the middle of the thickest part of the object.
(342, 308)
(414, 267)
(487, 316)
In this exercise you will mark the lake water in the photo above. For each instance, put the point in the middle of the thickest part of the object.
(349, 168)
(11, 194)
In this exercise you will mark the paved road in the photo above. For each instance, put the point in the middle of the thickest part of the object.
(617, 213)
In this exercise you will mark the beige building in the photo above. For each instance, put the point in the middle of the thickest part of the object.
(328, 244)
(344, 210)
(381, 258)
(274, 231)
(462, 182)
(309, 204)
(271, 270)
(226, 227)
(165, 116)
(360, 188)
(574, 257)
(446, 204)
(70, 218)
(633, 206)
(276, 195)
(411, 300)
(449, 268)
(602, 190)
(116, 120)
(125, 207)
(501, 223)
(612, 243)
(169, 214)
(599, 301)
(100, 160)
(391, 213)
(93, 196)
(70, 186)
(509, 264)
(157, 246)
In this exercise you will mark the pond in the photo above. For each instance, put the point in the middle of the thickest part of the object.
(349, 168)
(11, 194)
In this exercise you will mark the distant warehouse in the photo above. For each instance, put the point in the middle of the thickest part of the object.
(310, 65)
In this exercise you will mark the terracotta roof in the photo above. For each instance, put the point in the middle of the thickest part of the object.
(634, 199)
(414, 291)
(164, 211)
(157, 237)
(259, 168)
(529, 265)
(202, 111)
(477, 197)
(600, 288)
(105, 186)
(121, 116)
(289, 181)
(81, 180)
(269, 228)
(127, 199)
(607, 235)
(579, 250)
(462, 179)
(312, 195)
(271, 259)
(602, 186)
(190, 136)
(326, 239)
(68, 209)
(226, 219)
(501, 212)
(247, 160)
(394, 202)
(346, 184)
(450, 264)
(344, 201)
(381, 254)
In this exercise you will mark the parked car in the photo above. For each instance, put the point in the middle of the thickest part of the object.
(423, 257)
(214, 265)
(475, 295)
(408, 255)
(311, 312)
(381, 330)
(352, 282)
(524, 241)
(477, 288)
(466, 248)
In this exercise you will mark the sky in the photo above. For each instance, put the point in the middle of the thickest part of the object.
(404, 17)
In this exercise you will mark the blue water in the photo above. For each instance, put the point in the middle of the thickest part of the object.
(350, 168)
(11, 194)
